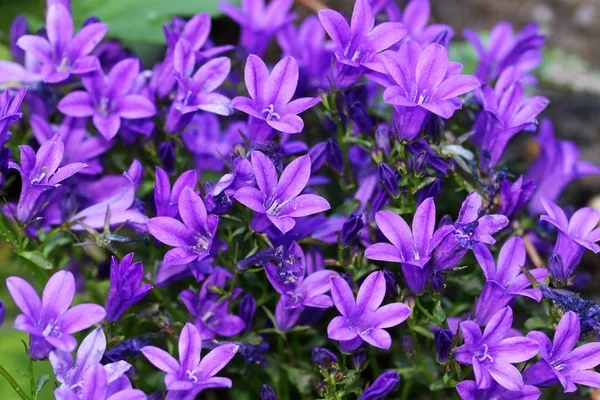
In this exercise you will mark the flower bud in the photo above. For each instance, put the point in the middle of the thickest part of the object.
(443, 343)
(361, 117)
(407, 345)
(391, 284)
(382, 139)
(267, 393)
(420, 162)
(321, 388)
(555, 265)
(317, 155)
(389, 178)
(359, 356)
(437, 281)
(351, 229)
(2, 312)
(247, 310)
(323, 358)
(335, 156)
(383, 385)
(166, 151)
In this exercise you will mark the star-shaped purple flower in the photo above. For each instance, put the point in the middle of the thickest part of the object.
(126, 286)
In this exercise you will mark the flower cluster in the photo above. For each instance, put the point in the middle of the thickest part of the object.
(297, 221)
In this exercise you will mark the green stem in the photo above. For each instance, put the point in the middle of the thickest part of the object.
(423, 310)
(13, 383)
(31, 377)
(342, 143)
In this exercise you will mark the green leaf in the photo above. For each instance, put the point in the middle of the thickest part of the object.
(535, 323)
(6, 229)
(41, 383)
(422, 331)
(438, 312)
(20, 372)
(37, 259)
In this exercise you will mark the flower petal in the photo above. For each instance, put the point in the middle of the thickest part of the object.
(58, 293)
(81, 317)
(251, 198)
(371, 292)
(77, 104)
(216, 360)
(391, 315)
(135, 106)
(338, 329)
(342, 295)
(160, 359)
(378, 338)
(190, 346)
(25, 297)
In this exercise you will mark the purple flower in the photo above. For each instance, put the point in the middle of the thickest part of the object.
(561, 362)
(63, 54)
(9, 112)
(211, 313)
(469, 390)
(513, 197)
(443, 343)
(247, 310)
(40, 174)
(280, 200)
(191, 375)
(267, 393)
(2, 312)
(351, 229)
(557, 165)
(385, 384)
(504, 281)
(259, 23)
(423, 82)
(167, 200)
(71, 373)
(18, 28)
(412, 249)
(270, 94)
(126, 286)
(49, 321)
(469, 229)
(574, 235)
(415, 17)
(492, 354)
(108, 99)
(364, 319)
(505, 50)
(193, 238)
(323, 358)
(357, 45)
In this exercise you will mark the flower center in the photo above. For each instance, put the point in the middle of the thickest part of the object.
(191, 375)
(482, 356)
(271, 114)
(39, 178)
(52, 329)
(103, 107)
(64, 65)
(294, 300)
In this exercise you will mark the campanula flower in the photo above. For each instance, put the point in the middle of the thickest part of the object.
(351, 229)
(443, 343)
(561, 361)
(190, 375)
(469, 390)
(63, 54)
(385, 384)
(323, 358)
(492, 353)
(108, 99)
(166, 199)
(270, 94)
(126, 286)
(49, 321)
(267, 393)
(211, 313)
(415, 17)
(9, 112)
(192, 239)
(280, 200)
(514, 196)
(364, 318)
(504, 280)
(40, 174)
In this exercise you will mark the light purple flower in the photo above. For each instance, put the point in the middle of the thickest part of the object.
(167, 200)
(492, 353)
(280, 200)
(193, 238)
(62, 53)
(108, 99)
(49, 321)
(561, 362)
(190, 375)
(126, 286)
(364, 318)
(40, 173)
(504, 281)
(270, 94)
(469, 390)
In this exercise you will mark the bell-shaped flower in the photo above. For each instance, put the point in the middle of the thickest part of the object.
(514, 196)
(469, 390)
(166, 199)
(193, 238)
(190, 375)
(108, 99)
(51, 322)
(561, 361)
(270, 94)
(126, 286)
(61, 53)
(364, 318)
(492, 354)
(280, 200)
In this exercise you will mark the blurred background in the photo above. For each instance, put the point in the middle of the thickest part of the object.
(569, 77)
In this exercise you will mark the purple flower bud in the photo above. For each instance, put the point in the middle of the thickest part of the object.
(359, 356)
(2, 312)
(380, 200)
(18, 28)
(390, 283)
(247, 310)
(166, 151)
(317, 155)
(267, 393)
(445, 220)
(389, 178)
(351, 229)
(323, 358)
(420, 162)
(383, 385)
(382, 139)
(443, 343)
(557, 272)
(334, 155)
(437, 281)
(126, 287)
(361, 117)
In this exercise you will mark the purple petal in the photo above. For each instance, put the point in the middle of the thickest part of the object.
(251, 198)
(121, 78)
(362, 18)
(25, 297)
(81, 317)
(395, 229)
(256, 76)
(391, 315)
(583, 222)
(77, 104)
(170, 231)
(294, 178)
(190, 346)
(432, 67)
(284, 224)
(584, 357)
(134, 106)
(566, 335)
(304, 205)
(396, 96)
(107, 125)
(86, 39)
(160, 359)
(36, 45)
(443, 108)
(485, 259)
(371, 292)
(384, 252)
(469, 211)
(456, 86)
(498, 326)
(385, 35)
(216, 360)
(506, 375)
(342, 295)
(66, 172)
(181, 255)
(556, 215)
(336, 26)
(282, 83)
(378, 338)
(213, 73)
(58, 293)
(192, 210)
(471, 332)
(302, 104)
(196, 30)
(264, 172)
(510, 260)
(514, 350)
(338, 329)
(424, 225)
(230, 325)
(544, 341)
(586, 378)
(463, 355)
(95, 383)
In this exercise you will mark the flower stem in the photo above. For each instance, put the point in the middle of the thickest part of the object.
(13, 383)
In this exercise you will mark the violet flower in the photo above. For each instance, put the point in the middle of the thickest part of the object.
(267, 393)
(126, 286)
(423, 82)
(49, 321)
(469, 229)
(364, 319)
(40, 174)
(469, 390)
(190, 375)
(415, 17)
(270, 94)
(385, 384)
(63, 54)
(280, 200)
(9, 112)
(211, 313)
(504, 280)
(108, 99)
(492, 354)
(71, 373)
(193, 238)
(411, 249)
(574, 235)
(167, 200)
(561, 362)
(443, 343)
(514, 196)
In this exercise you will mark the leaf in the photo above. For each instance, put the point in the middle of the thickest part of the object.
(20, 372)
(41, 383)
(37, 259)
(6, 229)
(438, 312)
(535, 323)
(422, 331)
